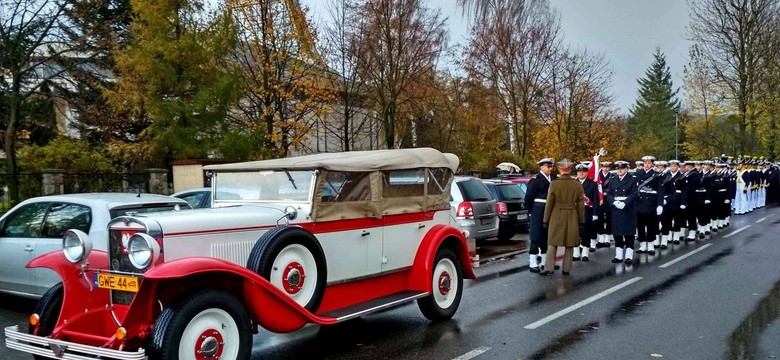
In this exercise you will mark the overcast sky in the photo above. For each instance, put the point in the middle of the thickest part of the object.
(626, 31)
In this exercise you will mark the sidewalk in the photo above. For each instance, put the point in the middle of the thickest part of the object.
(491, 250)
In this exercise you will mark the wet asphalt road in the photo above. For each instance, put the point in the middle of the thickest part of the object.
(713, 299)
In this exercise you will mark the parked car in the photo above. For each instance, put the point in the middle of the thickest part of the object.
(520, 180)
(313, 239)
(35, 227)
(474, 208)
(512, 214)
(197, 198)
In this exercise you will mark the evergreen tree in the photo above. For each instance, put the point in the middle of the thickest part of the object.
(651, 126)
(174, 72)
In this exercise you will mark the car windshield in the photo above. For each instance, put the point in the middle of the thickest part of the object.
(277, 185)
(474, 190)
(509, 192)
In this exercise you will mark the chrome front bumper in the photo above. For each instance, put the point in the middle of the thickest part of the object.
(60, 349)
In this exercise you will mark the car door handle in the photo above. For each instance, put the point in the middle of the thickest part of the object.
(365, 233)
(420, 226)
(28, 248)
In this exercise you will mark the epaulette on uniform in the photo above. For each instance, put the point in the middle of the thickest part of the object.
(633, 176)
(534, 177)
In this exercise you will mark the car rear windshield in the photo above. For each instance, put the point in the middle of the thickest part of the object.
(509, 192)
(474, 190)
(147, 208)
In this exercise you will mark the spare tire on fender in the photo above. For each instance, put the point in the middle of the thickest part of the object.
(292, 259)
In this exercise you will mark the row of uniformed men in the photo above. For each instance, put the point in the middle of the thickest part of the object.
(661, 203)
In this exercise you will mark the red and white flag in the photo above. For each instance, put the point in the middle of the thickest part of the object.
(594, 170)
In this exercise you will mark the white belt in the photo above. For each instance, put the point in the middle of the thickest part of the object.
(721, 190)
(621, 198)
(649, 191)
(540, 200)
(701, 190)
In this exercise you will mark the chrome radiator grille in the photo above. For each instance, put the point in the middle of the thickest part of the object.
(118, 234)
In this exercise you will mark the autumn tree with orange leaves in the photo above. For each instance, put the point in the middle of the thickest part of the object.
(286, 84)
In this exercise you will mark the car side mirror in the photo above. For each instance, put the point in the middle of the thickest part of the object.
(290, 212)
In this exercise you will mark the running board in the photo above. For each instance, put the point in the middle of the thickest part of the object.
(357, 310)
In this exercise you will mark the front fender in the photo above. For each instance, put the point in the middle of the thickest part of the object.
(420, 275)
(267, 305)
(80, 297)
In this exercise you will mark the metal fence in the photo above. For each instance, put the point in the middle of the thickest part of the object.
(31, 185)
(104, 182)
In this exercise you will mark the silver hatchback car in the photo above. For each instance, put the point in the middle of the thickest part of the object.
(35, 227)
(474, 208)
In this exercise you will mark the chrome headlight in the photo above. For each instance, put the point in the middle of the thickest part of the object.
(76, 245)
(142, 250)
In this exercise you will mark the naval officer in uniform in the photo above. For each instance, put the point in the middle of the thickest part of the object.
(535, 200)
(621, 197)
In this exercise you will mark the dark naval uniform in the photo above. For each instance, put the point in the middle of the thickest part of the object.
(651, 197)
(588, 228)
(671, 207)
(677, 202)
(692, 182)
(604, 223)
(704, 206)
(623, 190)
(535, 200)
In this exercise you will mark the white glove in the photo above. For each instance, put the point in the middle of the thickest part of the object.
(707, 201)
(727, 201)
(620, 205)
(659, 210)
(664, 201)
(682, 207)
(595, 217)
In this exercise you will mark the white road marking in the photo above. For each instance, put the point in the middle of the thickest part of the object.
(737, 231)
(762, 219)
(684, 256)
(473, 353)
(580, 304)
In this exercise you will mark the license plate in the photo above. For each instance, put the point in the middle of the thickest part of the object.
(487, 221)
(522, 217)
(117, 282)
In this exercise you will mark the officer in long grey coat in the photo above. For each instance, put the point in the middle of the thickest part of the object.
(621, 197)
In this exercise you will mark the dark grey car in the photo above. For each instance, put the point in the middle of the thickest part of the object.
(512, 214)
(474, 208)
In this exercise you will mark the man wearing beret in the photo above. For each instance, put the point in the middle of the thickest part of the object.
(535, 199)
(564, 213)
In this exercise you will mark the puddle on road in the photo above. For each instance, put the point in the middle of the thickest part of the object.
(743, 342)
(630, 306)
(627, 308)
(568, 285)
(562, 343)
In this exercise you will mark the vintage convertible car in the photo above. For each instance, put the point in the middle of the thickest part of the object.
(313, 239)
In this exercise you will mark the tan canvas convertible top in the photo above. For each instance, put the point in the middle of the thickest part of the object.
(372, 163)
(373, 160)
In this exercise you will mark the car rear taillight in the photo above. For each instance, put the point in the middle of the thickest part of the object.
(465, 211)
(501, 208)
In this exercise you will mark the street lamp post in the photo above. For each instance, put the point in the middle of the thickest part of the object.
(675, 135)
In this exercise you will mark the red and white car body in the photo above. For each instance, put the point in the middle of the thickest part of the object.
(313, 239)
